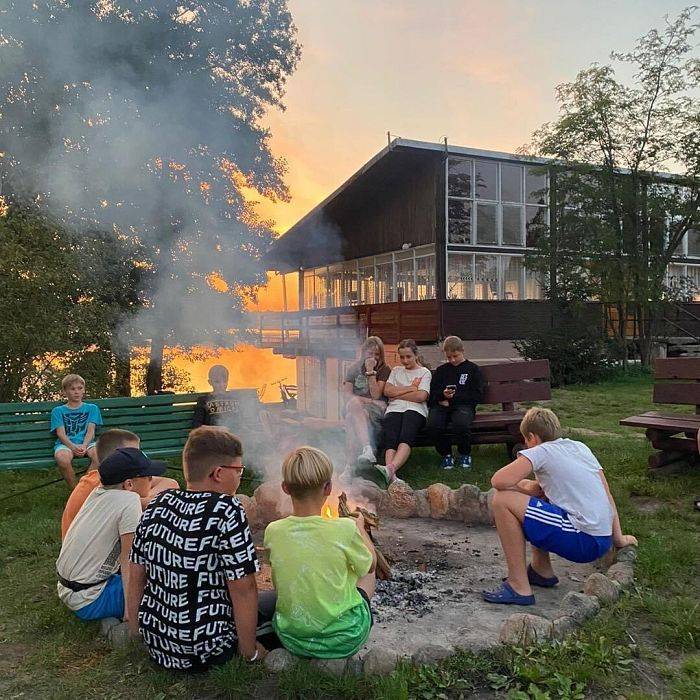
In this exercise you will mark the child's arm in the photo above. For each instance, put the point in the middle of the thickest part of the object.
(61, 435)
(511, 476)
(244, 597)
(125, 540)
(133, 596)
(619, 540)
(89, 436)
(416, 396)
(360, 525)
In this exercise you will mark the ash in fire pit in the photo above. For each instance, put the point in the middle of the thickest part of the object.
(409, 594)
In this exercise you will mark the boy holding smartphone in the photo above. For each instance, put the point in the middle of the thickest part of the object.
(456, 389)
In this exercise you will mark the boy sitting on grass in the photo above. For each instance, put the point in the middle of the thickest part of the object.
(98, 542)
(568, 509)
(73, 424)
(322, 569)
(109, 441)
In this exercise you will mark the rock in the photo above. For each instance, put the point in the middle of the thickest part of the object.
(579, 606)
(439, 500)
(279, 660)
(377, 497)
(487, 506)
(380, 661)
(333, 667)
(271, 502)
(118, 636)
(524, 629)
(621, 573)
(562, 627)
(603, 588)
(402, 500)
(626, 554)
(107, 623)
(422, 504)
(250, 508)
(430, 653)
(465, 505)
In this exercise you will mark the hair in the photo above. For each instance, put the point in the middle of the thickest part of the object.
(408, 343)
(218, 372)
(112, 439)
(374, 341)
(306, 469)
(541, 422)
(70, 379)
(452, 344)
(208, 447)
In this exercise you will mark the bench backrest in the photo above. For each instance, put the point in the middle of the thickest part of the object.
(677, 381)
(510, 382)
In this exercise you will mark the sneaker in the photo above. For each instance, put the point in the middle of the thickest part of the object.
(464, 461)
(448, 462)
(367, 455)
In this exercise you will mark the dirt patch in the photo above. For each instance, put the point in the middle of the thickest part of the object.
(646, 504)
(11, 656)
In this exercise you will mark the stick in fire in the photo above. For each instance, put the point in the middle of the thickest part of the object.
(371, 521)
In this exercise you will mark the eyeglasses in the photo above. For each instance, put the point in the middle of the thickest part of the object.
(238, 468)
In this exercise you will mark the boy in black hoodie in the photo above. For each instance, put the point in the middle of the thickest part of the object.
(457, 387)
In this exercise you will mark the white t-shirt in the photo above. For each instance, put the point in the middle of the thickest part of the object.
(92, 545)
(400, 376)
(569, 475)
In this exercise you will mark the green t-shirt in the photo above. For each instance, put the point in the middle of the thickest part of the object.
(315, 567)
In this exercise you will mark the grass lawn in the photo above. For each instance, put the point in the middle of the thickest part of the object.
(646, 645)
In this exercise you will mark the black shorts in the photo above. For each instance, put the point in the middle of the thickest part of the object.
(365, 597)
(402, 427)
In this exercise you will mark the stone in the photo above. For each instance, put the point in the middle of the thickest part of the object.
(603, 588)
(562, 627)
(523, 629)
(422, 504)
(626, 554)
(465, 504)
(333, 667)
(487, 507)
(439, 500)
(430, 654)
(579, 606)
(380, 662)
(402, 500)
(279, 660)
(250, 508)
(107, 623)
(118, 636)
(622, 573)
(271, 502)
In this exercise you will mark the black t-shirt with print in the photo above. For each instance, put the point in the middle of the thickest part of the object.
(190, 544)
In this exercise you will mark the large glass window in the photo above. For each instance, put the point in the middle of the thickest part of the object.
(405, 276)
(335, 285)
(533, 286)
(512, 277)
(460, 276)
(693, 243)
(459, 178)
(350, 296)
(425, 277)
(385, 279)
(486, 277)
(321, 288)
(460, 218)
(486, 230)
(511, 183)
(535, 224)
(512, 225)
(536, 186)
(366, 275)
(487, 179)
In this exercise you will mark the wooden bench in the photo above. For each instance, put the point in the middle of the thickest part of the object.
(162, 422)
(674, 435)
(507, 384)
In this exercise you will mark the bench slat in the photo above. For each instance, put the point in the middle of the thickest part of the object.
(513, 371)
(654, 419)
(517, 391)
(677, 368)
(677, 393)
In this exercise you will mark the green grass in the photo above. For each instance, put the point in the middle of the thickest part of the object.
(645, 646)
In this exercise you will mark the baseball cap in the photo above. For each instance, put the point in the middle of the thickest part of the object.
(128, 463)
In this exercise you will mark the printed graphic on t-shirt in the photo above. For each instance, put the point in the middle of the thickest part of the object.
(361, 384)
(75, 423)
(219, 406)
(190, 544)
(463, 378)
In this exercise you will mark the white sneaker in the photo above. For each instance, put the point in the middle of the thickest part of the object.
(367, 455)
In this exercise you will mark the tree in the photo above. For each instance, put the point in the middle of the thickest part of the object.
(618, 217)
(145, 118)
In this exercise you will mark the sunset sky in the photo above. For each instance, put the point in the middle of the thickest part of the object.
(481, 73)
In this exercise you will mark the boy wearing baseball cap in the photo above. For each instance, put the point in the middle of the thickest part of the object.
(98, 543)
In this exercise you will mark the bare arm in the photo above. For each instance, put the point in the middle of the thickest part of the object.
(360, 524)
(124, 563)
(416, 396)
(89, 435)
(619, 540)
(376, 389)
(511, 476)
(61, 435)
(244, 597)
(137, 582)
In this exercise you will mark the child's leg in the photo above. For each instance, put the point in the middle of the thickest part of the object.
(411, 423)
(91, 452)
(64, 460)
(541, 562)
(357, 418)
(509, 511)
(400, 457)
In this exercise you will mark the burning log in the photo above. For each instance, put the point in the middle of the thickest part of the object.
(371, 521)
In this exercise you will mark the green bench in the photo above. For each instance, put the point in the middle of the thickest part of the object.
(162, 422)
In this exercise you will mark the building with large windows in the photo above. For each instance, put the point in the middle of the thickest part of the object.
(424, 241)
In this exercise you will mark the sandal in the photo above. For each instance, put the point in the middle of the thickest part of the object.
(384, 472)
(505, 595)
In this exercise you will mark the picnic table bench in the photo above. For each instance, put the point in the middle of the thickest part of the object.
(507, 384)
(674, 435)
(162, 422)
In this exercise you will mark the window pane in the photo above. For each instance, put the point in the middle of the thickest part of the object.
(321, 288)
(511, 183)
(460, 277)
(535, 224)
(486, 277)
(385, 282)
(425, 277)
(512, 273)
(486, 224)
(536, 186)
(460, 221)
(693, 279)
(512, 225)
(694, 243)
(486, 179)
(366, 283)
(533, 287)
(350, 297)
(405, 283)
(308, 289)
(459, 178)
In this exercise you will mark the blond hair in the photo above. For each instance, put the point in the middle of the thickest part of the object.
(374, 341)
(206, 448)
(452, 344)
(541, 422)
(306, 469)
(71, 379)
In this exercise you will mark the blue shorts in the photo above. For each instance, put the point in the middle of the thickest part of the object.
(109, 604)
(61, 446)
(547, 527)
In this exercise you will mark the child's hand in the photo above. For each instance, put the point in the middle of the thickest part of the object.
(444, 403)
(449, 393)
(626, 541)
(77, 450)
(370, 364)
(416, 382)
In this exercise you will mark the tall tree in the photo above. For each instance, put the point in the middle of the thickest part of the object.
(618, 217)
(145, 118)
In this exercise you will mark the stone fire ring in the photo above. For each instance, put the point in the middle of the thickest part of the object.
(470, 506)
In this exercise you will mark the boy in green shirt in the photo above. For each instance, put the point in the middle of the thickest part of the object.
(322, 569)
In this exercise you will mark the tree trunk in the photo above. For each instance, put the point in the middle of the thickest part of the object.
(154, 371)
(122, 371)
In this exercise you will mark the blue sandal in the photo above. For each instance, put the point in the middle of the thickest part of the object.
(536, 580)
(505, 595)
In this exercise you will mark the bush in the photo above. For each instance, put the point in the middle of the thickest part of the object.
(574, 358)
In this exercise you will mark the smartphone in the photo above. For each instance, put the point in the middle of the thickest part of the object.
(451, 387)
